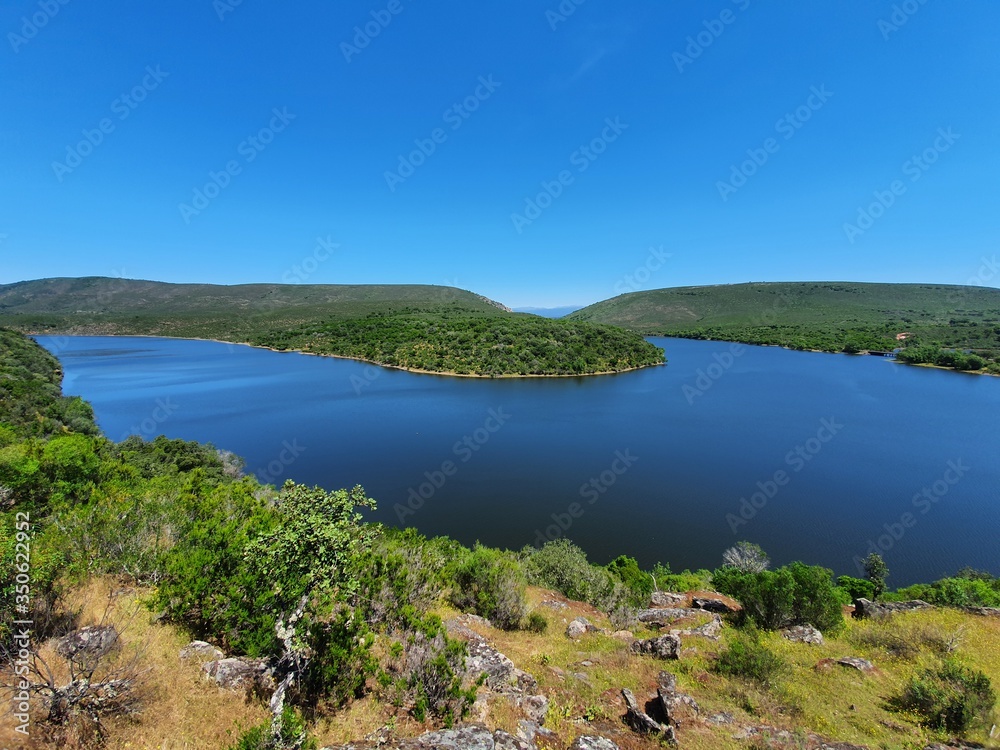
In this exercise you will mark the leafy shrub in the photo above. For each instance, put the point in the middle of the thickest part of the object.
(746, 657)
(638, 584)
(856, 588)
(563, 566)
(746, 557)
(699, 580)
(796, 594)
(291, 735)
(536, 623)
(952, 697)
(491, 584)
(975, 591)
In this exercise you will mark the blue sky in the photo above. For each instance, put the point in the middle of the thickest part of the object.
(595, 148)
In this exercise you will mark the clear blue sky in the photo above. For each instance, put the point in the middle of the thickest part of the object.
(887, 90)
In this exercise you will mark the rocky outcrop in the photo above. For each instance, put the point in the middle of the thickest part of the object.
(854, 662)
(239, 673)
(664, 647)
(666, 599)
(803, 634)
(983, 611)
(470, 737)
(665, 615)
(865, 609)
(677, 707)
(782, 739)
(712, 605)
(590, 742)
(579, 626)
(91, 642)
(201, 651)
(642, 722)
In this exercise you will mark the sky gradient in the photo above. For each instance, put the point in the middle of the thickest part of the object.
(542, 154)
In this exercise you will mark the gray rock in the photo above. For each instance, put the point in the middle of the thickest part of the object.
(234, 673)
(554, 604)
(710, 629)
(983, 611)
(91, 642)
(665, 615)
(721, 719)
(712, 605)
(803, 634)
(666, 599)
(664, 647)
(504, 741)
(854, 662)
(592, 742)
(638, 719)
(201, 651)
(575, 629)
(534, 707)
(673, 703)
(473, 737)
(866, 609)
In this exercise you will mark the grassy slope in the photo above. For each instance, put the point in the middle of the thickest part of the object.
(414, 326)
(813, 315)
(181, 708)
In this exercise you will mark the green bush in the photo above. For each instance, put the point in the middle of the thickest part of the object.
(563, 566)
(536, 623)
(952, 697)
(490, 583)
(746, 657)
(856, 588)
(291, 735)
(973, 591)
(796, 594)
(638, 584)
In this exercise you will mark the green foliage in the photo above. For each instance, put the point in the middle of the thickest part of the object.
(638, 584)
(340, 662)
(491, 584)
(877, 571)
(974, 589)
(686, 580)
(291, 735)
(563, 566)
(536, 623)
(748, 658)
(856, 588)
(474, 344)
(832, 317)
(796, 594)
(951, 697)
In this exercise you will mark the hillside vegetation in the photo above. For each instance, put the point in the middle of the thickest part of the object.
(425, 328)
(337, 630)
(951, 326)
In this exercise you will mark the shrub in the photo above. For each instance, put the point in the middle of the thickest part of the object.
(563, 566)
(952, 697)
(957, 592)
(796, 594)
(638, 584)
(746, 557)
(536, 623)
(856, 588)
(747, 658)
(491, 584)
(428, 675)
(291, 735)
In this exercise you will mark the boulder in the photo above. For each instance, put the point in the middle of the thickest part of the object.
(983, 611)
(201, 651)
(623, 635)
(673, 703)
(234, 672)
(665, 615)
(504, 741)
(854, 662)
(92, 642)
(638, 719)
(592, 742)
(664, 647)
(712, 605)
(803, 634)
(473, 737)
(575, 629)
(666, 599)
(866, 609)
(534, 707)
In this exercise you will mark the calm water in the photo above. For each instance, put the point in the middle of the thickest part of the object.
(842, 452)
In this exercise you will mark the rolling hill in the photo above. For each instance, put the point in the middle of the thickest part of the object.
(418, 327)
(826, 316)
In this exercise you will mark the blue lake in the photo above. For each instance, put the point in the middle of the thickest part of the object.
(817, 457)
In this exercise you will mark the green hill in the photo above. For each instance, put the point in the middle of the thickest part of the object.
(419, 327)
(827, 316)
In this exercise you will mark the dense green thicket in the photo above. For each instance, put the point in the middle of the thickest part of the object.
(473, 344)
(970, 588)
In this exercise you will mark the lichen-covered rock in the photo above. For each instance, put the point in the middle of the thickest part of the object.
(93, 641)
(854, 662)
(201, 651)
(591, 742)
(712, 605)
(666, 599)
(664, 647)
(235, 673)
(803, 634)
(865, 609)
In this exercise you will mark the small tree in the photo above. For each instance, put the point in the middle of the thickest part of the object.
(877, 571)
(746, 557)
